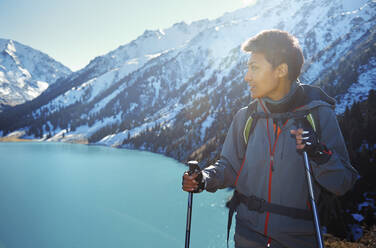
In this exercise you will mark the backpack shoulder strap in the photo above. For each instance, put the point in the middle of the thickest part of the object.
(313, 119)
(311, 116)
(251, 121)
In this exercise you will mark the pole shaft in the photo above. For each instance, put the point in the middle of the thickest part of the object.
(313, 203)
(189, 216)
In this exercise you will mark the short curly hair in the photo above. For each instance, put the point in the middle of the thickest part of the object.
(278, 47)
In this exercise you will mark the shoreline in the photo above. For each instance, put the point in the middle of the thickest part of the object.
(15, 139)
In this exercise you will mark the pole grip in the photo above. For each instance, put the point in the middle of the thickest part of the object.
(193, 167)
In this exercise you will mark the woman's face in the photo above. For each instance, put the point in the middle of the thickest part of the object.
(261, 77)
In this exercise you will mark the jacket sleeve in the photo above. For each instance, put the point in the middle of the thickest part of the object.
(224, 172)
(337, 175)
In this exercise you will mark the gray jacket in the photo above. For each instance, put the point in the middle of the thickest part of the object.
(286, 183)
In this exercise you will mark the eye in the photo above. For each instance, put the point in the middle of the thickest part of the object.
(253, 67)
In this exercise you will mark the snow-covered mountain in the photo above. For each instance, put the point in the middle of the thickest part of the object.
(174, 91)
(25, 72)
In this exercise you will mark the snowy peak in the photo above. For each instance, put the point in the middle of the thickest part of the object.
(25, 72)
(151, 42)
(10, 50)
(27, 58)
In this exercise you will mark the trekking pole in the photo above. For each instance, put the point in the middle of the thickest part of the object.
(320, 243)
(193, 167)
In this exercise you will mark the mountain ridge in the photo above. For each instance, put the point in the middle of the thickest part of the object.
(184, 88)
(25, 72)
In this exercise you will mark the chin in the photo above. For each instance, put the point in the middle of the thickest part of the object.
(255, 95)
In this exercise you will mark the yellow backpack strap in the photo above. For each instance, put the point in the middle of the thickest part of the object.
(247, 129)
(311, 121)
(248, 126)
(314, 120)
(251, 121)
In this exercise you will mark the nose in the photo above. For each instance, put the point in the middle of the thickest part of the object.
(248, 76)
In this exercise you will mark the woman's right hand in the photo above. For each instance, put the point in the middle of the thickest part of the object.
(189, 182)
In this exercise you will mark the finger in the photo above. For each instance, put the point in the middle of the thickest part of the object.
(190, 177)
(299, 140)
(190, 185)
(186, 177)
(189, 189)
(190, 182)
(296, 132)
(299, 137)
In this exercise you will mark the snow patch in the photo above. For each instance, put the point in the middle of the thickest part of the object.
(10, 47)
(358, 217)
(359, 90)
(17, 134)
(25, 72)
(368, 203)
(153, 56)
(133, 105)
(4, 91)
(356, 231)
(206, 124)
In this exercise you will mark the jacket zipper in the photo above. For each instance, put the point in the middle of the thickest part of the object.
(271, 169)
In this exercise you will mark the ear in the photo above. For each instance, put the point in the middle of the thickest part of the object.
(282, 70)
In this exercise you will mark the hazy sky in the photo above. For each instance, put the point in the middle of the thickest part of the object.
(75, 31)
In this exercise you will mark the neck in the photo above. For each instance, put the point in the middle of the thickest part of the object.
(282, 90)
(287, 103)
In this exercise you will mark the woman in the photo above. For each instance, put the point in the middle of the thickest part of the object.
(263, 161)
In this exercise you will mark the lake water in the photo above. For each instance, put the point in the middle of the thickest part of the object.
(56, 195)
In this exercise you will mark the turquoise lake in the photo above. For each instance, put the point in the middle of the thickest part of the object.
(55, 195)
